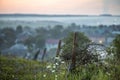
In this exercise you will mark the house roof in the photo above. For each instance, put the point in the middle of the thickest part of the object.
(52, 41)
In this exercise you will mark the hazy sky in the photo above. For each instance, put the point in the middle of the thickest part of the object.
(60, 6)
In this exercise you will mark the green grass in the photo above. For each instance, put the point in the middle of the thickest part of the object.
(21, 69)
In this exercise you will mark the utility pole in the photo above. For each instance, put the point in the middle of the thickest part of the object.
(58, 49)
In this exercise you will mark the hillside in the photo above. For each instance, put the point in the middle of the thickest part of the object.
(19, 69)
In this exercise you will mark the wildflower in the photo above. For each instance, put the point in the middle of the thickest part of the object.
(62, 62)
(108, 73)
(35, 77)
(44, 75)
(62, 73)
(56, 64)
(57, 58)
(53, 71)
(55, 78)
(48, 66)
(13, 76)
(56, 75)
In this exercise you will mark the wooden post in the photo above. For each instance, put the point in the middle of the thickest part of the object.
(44, 52)
(36, 55)
(58, 49)
(73, 64)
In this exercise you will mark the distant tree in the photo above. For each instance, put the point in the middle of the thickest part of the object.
(10, 36)
(27, 28)
(29, 42)
(40, 41)
(42, 31)
(56, 31)
(2, 42)
(73, 25)
(19, 29)
(66, 31)
(37, 41)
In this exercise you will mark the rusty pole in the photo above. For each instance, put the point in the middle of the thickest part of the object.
(73, 64)
(58, 49)
(44, 52)
(36, 55)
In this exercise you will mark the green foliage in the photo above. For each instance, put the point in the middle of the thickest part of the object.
(82, 40)
(92, 72)
(9, 37)
(56, 32)
(116, 45)
(115, 59)
(115, 72)
(20, 69)
(19, 29)
(82, 54)
(38, 40)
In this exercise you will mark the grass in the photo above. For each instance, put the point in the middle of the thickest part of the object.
(21, 69)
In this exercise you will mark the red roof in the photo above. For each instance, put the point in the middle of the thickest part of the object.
(52, 41)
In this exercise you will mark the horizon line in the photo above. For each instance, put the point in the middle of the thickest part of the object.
(57, 15)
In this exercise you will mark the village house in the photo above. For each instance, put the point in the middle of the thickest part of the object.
(51, 43)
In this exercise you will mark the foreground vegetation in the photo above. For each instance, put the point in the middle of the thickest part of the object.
(20, 69)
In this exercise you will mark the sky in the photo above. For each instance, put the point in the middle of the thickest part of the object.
(84, 7)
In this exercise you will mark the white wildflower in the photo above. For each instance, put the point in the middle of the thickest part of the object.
(48, 66)
(57, 58)
(56, 64)
(44, 75)
(62, 62)
(13, 76)
(53, 71)
(56, 79)
(108, 73)
(56, 76)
